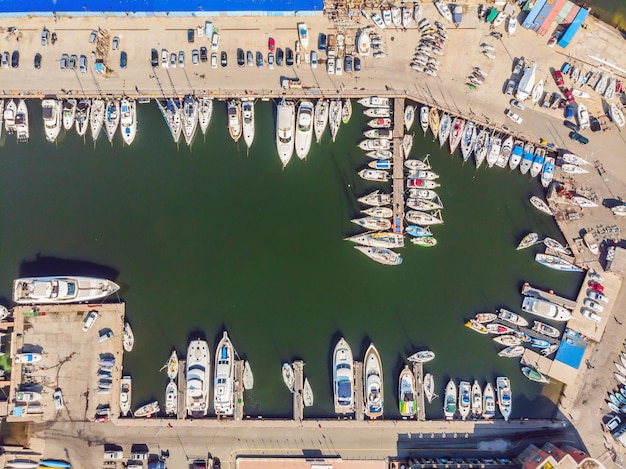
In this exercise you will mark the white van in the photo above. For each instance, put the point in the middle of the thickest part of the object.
(215, 42)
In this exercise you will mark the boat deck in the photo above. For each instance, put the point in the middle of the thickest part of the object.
(298, 384)
(358, 391)
(238, 390)
(398, 166)
(529, 290)
(418, 371)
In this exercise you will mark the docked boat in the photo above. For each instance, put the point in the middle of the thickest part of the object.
(424, 241)
(27, 396)
(424, 112)
(22, 127)
(148, 410)
(233, 111)
(456, 134)
(527, 241)
(374, 102)
(495, 144)
(96, 118)
(285, 130)
(546, 329)
(321, 118)
(498, 329)
(307, 393)
(469, 140)
(197, 374)
(172, 365)
(248, 376)
(414, 183)
(489, 402)
(583, 116)
(616, 115)
(334, 118)
(82, 116)
(379, 240)
(373, 383)
(303, 35)
(386, 13)
(346, 111)
(424, 205)
(574, 159)
(534, 375)
(512, 318)
(378, 133)
(527, 159)
(69, 113)
(380, 212)
(485, 318)
(380, 154)
(505, 152)
(171, 398)
(449, 400)
(378, 21)
(377, 175)
(429, 387)
(407, 17)
(380, 123)
(406, 393)
(516, 155)
(375, 199)
(205, 112)
(42, 290)
(444, 128)
(556, 263)
(288, 376)
(128, 120)
(304, 129)
(172, 113)
(477, 326)
(51, 113)
(375, 144)
(423, 218)
(505, 401)
(545, 309)
(481, 147)
(10, 110)
(409, 117)
(128, 338)
(508, 340)
(190, 118)
(126, 389)
(407, 144)
(418, 231)
(434, 121)
(417, 165)
(247, 119)
(111, 118)
(381, 255)
(363, 43)
(477, 400)
(417, 193)
(224, 377)
(380, 164)
(550, 350)
(569, 168)
(512, 351)
(417, 12)
(422, 356)
(343, 378)
(396, 16)
(27, 357)
(591, 243)
(583, 202)
(465, 401)
(373, 223)
(377, 112)
(538, 162)
(541, 205)
(21, 464)
(556, 246)
(443, 10)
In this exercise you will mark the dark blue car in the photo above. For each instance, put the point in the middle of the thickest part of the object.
(569, 111)
(123, 59)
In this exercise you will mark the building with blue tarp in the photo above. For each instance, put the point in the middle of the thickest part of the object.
(573, 28)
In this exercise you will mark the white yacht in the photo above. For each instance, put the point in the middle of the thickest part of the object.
(465, 401)
(285, 124)
(374, 101)
(190, 118)
(126, 388)
(205, 111)
(69, 113)
(111, 118)
(233, 109)
(171, 398)
(343, 377)
(545, 309)
(247, 112)
(10, 111)
(505, 401)
(321, 118)
(197, 377)
(489, 402)
(96, 119)
(82, 116)
(304, 129)
(60, 289)
(334, 117)
(173, 115)
(406, 393)
(128, 120)
(21, 122)
(373, 383)
(51, 112)
(224, 376)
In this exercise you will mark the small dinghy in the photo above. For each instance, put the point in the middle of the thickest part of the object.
(513, 318)
(485, 318)
(476, 326)
(534, 375)
(248, 377)
(409, 117)
(417, 231)
(546, 329)
(429, 387)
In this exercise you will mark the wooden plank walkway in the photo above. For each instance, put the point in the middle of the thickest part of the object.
(418, 371)
(238, 390)
(182, 385)
(358, 391)
(298, 384)
(398, 166)
(529, 290)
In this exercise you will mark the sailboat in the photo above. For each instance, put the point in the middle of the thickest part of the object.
(96, 119)
(69, 113)
(205, 111)
(456, 134)
(128, 338)
(409, 117)
(248, 376)
(373, 383)
(444, 128)
(112, 118)
(224, 377)
(304, 128)
(247, 114)
(334, 117)
(190, 118)
(321, 118)
(481, 147)
(346, 111)
(172, 365)
(128, 120)
(406, 393)
(288, 376)
(82, 116)
(307, 393)
(233, 109)
(285, 123)
(433, 121)
(468, 140)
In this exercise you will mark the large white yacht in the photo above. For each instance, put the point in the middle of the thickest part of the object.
(285, 124)
(304, 129)
(128, 120)
(205, 111)
(343, 377)
(190, 118)
(51, 112)
(247, 111)
(82, 116)
(233, 108)
(373, 383)
(61, 289)
(223, 388)
(545, 309)
(197, 377)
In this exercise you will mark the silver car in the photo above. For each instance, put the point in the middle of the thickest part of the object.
(593, 305)
(595, 296)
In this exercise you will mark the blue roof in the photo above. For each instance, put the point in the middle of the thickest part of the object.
(572, 349)
(573, 28)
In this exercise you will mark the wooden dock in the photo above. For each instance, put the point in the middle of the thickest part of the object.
(529, 290)
(420, 398)
(238, 390)
(398, 166)
(182, 385)
(358, 391)
(298, 384)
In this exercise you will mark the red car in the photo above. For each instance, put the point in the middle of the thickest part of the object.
(271, 45)
(596, 286)
(568, 94)
(558, 77)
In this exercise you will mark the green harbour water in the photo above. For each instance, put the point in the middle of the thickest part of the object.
(216, 237)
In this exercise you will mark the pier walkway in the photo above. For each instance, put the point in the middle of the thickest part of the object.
(529, 290)
(238, 390)
(358, 391)
(418, 371)
(182, 385)
(398, 166)
(298, 384)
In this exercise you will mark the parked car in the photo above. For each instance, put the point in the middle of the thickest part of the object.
(514, 117)
(92, 36)
(203, 54)
(190, 34)
(558, 78)
(38, 60)
(73, 61)
(195, 57)
(517, 104)
(58, 399)
(571, 125)
(181, 59)
(15, 59)
(250, 58)
(598, 297)
(569, 111)
(289, 57)
(105, 334)
(330, 65)
(321, 42)
(579, 138)
(593, 305)
(590, 315)
(565, 67)
(82, 64)
(64, 61)
(154, 58)
(280, 57)
(45, 35)
(613, 423)
(123, 59)
(224, 59)
(313, 59)
(116, 43)
(347, 66)
(510, 87)
(569, 95)
(240, 57)
(214, 60)
(173, 59)
(519, 65)
(271, 45)
(338, 66)
(259, 59)
(270, 60)
(89, 320)
(596, 286)
(215, 42)
(164, 58)
(357, 64)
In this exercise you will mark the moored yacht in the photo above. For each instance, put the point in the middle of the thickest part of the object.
(495, 144)
(481, 147)
(444, 128)
(477, 400)
(449, 400)
(128, 120)
(82, 116)
(373, 383)
(69, 113)
(538, 161)
(61, 289)
(304, 129)
(424, 112)
(224, 376)
(171, 398)
(247, 116)
(334, 117)
(489, 402)
(505, 401)
(516, 154)
(21, 122)
(10, 110)
(379, 240)
(197, 378)
(190, 118)
(233, 109)
(406, 393)
(469, 140)
(96, 119)
(125, 395)
(381, 255)
(456, 134)
(545, 309)
(321, 118)
(51, 112)
(343, 378)
(205, 112)
(285, 123)
(111, 118)
(465, 401)
(374, 101)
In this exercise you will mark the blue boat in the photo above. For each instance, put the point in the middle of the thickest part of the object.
(54, 463)
(548, 172)
(516, 157)
(539, 343)
(526, 163)
(418, 231)
(537, 166)
(380, 164)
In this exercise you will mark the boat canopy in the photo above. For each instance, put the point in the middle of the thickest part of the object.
(517, 150)
(492, 15)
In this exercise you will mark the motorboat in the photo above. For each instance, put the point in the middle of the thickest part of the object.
(69, 113)
(485, 318)
(407, 17)
(424, 241)
(378, 21)
(516, 155)
(591, 243)
(569, 168)
(307, 393)
(444, 128)
(111, 118)
(418, 231)
(574, 159)
(449, 400)
(233, 111)
(380, 123)
(334, 117)
(527, 241)
(27, 357)
(171, 398)
(248, 376)
(481, 147)
(538, 162)
(512, 351)
(426, 194)
(418, 165)
(556, 263)
(580, 94)
(60, 289)
(321, 118)
(616, 115)
(343, 378)
(468, 141)
(546, 329)
(346, 111)
(476, 326)
(495, 144)
(377, 175)
(407, 144)
(21, 464)
(375, 144)
(197, 375)
(82, 116)
(27, 396)
(285, 124)
(128, 338)
(421, 183)
(373, 383)
(190, 118)
(497, 329)
(22, 128)
(409, 117)
(378, 133)
(429, 387)
(380, 212)
(51, 113)
(373, 223)
(505, 152)
(247, 119)
(545, 309)
(377, 112)
(489, 402)
(443, 10)
(96, 118)
(477, 400)
(417, 12)
(505, 401)
(424, 112)
(424, 205)
(172, 365)
(147, 410)
(374, 102)
(381, 255)
(128, 120)
(511, 24)
(527, 159)
(550, 350)
(434, 121)
(583, 202)
(224, 377)
(380, 164)
(10, 110)
(303, 35)
(304, 129)
(422, 356)
(406, 393)
(456, 134)
(508, 340)
(363, 43)
(396, 16)
(288, 376)
(534, 375)
(541, 205)
(583, 116)
(376, 199)
(386, 13)
(512, 318)
(205, 112)
(465, 400)
(556, 246)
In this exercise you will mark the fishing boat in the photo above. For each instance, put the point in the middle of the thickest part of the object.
(377, 175)
(422, 356)
(375, 199)
(418, 165)
(288, 376)
(224, 377)
(409, 117)
(580, 94)
(433, 121)
(247, 120)
(373, 383)
(82, 116)
(374, 102)
(527, 160)
(424, 112)
(424, 241)
(591, 243)
(51, 113)
(334, 117)
(512, 351)
(485, 318)
(363, 43)
(494, 328)
(307, 393)
(96, 118)
(489, 402)
(22, 127)
(474, 325)
(583, 202)
(346, 111)
(233, 111)
(444, 128)
(171, 398)
(111, 118)
(569, 168)
(10, 110)
(481, 147)
(421, 184)
(556, 263)
(527, 241)
(380, 123)
(128, 120)
(495, 144)
(429, 387)
(534, 375)
(556, 246)
(449, 400)
(197, 375)
(69, 113)
(378, 133)
(148, 410)
(128, 338)
(469, 140)
(380, 164)
(545, 309)
(583, 116)
(426, 194)
(503, 386)
(508, 340)
(373, 223)
(443, 10)
(512, 318)
(423, 218)
(375, 144)
(248, 376)
(377, 112)
(424, 205)
(321, 118)
(172, 365)
(477, 400)
(616, 115)
(456, 134)
(465, 400)
(304, 129)
(380, 154)
(407, 144)
(343, 378)
(574, 159)
(379, 240)
(303, 35)
(42, 290)
(378, 21)
(516, 155)
(406, 393)
(418, 231)
(205, 112)
(285, 123)
(381, 255)
(541, 205)
(386, 13)
(538, 162)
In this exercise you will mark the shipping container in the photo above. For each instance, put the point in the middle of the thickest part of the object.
(543, 14)
(564, 12)
(573, 28)
(530, 18)
(547, 22)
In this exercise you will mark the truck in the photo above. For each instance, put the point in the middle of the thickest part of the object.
(331, 44)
